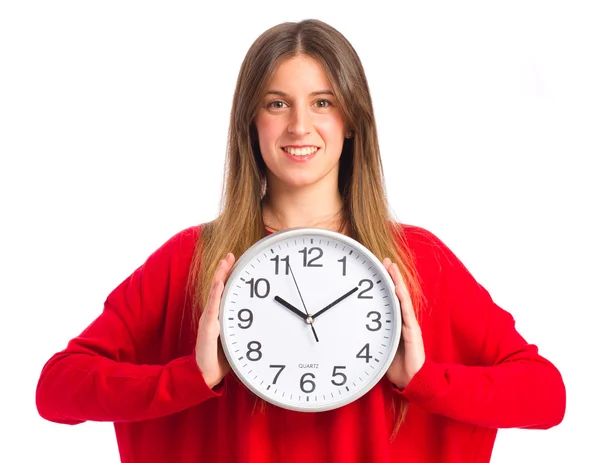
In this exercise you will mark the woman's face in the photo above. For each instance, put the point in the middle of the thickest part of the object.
(300, 127)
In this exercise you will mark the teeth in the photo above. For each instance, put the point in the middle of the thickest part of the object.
(300, 151)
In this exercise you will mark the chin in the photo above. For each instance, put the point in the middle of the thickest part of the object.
(292, 181)
(303, 182)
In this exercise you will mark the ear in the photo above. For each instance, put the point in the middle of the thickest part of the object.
(349, 134)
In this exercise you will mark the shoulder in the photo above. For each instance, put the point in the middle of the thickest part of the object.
(417, 236)
(185, 238)
(432, 257)
(422, 243)
(178, 247)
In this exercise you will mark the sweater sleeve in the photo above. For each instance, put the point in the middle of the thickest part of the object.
(107, 373)
(503, 382)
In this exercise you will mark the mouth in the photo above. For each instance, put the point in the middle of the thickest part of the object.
(300, 151)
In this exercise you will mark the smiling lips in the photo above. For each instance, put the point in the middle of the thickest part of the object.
(300, 151)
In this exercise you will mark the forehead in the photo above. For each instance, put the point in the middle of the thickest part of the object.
(300, 73)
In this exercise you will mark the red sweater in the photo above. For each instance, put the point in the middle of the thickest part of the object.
(134, 366)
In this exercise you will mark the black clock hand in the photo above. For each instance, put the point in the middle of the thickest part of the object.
(308, 319)
(289, 306)
(340, 299)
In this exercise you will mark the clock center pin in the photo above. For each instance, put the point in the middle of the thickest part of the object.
(309, 320)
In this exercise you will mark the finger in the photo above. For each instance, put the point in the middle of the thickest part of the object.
(224, 267)
(214, 300)
(230, 258)
(394, 272)
(220, 273)
(386, 263)
(221, 270)
(218, 284)
(408, 312)
(399, 286)
(397, 277)
(213, 295)
(210, 296)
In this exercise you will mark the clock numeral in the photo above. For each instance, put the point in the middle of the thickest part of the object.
(311, 263)
(342, 376)
(285, 259)
(246, 319)
(377, 322)
(311, 384)
(370, 287)
(281, 368)
(366, 355)
(255, 289)
(343, 261)
(254, 354)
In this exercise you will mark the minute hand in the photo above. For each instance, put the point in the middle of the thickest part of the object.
(339, 299)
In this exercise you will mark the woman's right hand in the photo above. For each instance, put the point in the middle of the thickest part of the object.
(209, 353)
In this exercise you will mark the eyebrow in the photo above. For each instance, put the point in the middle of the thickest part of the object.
(318, 92)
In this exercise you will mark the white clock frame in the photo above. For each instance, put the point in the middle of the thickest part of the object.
(255, 257)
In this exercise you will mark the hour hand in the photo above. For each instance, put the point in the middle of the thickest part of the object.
(289, 306)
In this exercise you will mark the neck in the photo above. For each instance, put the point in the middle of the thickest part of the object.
(312, 207)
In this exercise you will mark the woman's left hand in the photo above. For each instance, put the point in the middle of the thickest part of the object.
(411, 354)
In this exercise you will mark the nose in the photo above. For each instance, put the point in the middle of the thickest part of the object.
(300, 121)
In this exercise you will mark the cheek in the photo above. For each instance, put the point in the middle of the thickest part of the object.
(332, 130)
(268, 130)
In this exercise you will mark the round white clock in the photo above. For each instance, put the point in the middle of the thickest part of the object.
(309, 319)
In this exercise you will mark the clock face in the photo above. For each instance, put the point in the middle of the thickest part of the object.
(309, 319)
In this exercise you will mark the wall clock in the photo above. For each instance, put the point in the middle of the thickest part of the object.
(309, 319)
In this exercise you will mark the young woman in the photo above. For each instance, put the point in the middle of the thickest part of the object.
(303, 151)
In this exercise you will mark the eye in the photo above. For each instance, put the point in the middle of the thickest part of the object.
(323, 103)
(277, 104)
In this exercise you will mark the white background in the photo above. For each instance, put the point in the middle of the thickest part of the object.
(113, 122)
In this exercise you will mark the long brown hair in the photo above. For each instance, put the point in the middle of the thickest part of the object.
(361, 182)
